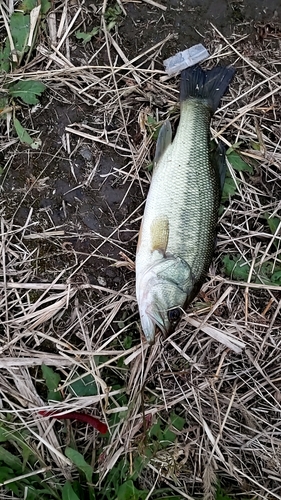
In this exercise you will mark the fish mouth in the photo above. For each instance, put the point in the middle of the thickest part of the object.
(151, 323)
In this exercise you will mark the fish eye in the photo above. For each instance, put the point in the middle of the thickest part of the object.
(174, 315)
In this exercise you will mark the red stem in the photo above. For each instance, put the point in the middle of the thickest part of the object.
(81, 417)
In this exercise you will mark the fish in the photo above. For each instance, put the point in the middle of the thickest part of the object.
(178, 229)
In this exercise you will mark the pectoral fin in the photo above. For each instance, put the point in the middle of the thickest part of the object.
(159, 234)
(163, 141)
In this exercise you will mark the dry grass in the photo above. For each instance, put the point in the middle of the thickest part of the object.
(228, 392)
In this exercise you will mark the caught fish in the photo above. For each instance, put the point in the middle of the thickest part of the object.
(178, 229)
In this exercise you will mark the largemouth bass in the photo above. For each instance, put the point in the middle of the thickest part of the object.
(177, 235)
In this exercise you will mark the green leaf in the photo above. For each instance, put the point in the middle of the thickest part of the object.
(3, 435)
(27, 453)
(5, 61)
(52, 380)
(113, 13)
(28, 5)
(151, 121)
(273, 223)
(85, 386)
(153, 126)
(127, 491)
(256, 146)
(36, 492)
(276, 278)
(128, 341)
(22, 133)
(11, 460)
(238, 163)
(78, 487)
(112, 16)
(68, 493)
(149, 167)
(27, 90)
(221, 495)
(6, 473)
(229, 189)
(234, 146)
(24, 136)
(45, 6)
(111, 25)
(139, 463)
(235, 267)
(19, 26)
(156, 431)
(80, 463)
(177, 422)
(170, 498)
(169, 437)
(86, 37)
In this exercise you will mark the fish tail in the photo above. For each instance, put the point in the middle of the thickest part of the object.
(209, 85)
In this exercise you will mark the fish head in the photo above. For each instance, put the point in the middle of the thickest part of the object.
(162, 292)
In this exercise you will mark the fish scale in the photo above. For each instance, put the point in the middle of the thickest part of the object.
(187, 192)
(177, 235)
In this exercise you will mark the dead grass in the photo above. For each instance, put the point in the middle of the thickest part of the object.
(228, 392)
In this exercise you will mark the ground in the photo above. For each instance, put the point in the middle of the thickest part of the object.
(71, 213)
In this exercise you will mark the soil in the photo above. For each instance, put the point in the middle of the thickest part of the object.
(62, 197)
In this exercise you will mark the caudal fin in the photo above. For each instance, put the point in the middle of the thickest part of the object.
(209, 85)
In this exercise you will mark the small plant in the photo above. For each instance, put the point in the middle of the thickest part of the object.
(264, 272)
(16, 50)
(112, 17)
(18, 464)
(238, 268)
(239, 165)
(153, 127)
(87, 36)
(221, 495)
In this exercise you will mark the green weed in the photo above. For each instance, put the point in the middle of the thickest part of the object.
(15, 51)
(239, 165)
(112, 16)
(153, 127)
(237, 267)
(87, 36)
(18, 464)
(19, 460)
(52, 380)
